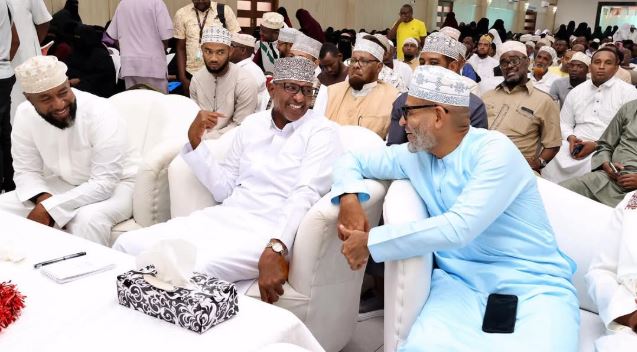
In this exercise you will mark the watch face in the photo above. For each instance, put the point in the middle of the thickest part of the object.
(277, 247)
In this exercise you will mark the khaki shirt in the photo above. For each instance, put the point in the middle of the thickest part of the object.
(528, 116)
(186, 26)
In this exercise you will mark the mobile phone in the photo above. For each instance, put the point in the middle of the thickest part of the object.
(500, 314)
(578, 148)
(613, 168)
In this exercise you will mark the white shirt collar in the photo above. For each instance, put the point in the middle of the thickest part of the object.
(365, 90)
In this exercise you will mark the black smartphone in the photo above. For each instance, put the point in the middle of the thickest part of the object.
(578, 148)
(500, 314)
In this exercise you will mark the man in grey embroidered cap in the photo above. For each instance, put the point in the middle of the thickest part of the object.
(279, 165)
(485, 228)
(362, 100)
(308, 48)
(221, 88)
(74, 167)
(287, 37)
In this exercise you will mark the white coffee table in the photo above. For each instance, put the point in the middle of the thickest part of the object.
(84, 315)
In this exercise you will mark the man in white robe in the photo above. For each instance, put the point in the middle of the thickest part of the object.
(612, 280)
(242, 48)
(587, 111)
(74, 167)
(481, 62)
(540, 75)
(279, 165)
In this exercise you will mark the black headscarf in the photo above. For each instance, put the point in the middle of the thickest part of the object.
(483, 26)
(499, 26)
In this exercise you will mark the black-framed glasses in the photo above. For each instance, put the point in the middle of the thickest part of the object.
(405, 109)
(294, 89)
(361, 62)
(513, 62)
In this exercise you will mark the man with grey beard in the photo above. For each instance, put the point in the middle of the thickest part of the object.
(487, 228)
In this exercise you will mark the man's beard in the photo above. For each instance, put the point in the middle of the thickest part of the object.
(220, 69)
(424, 142)
(356, 83)
(408, 57)
(61, 124)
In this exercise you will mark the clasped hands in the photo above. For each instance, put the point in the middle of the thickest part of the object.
(39, 213)
(353, 229)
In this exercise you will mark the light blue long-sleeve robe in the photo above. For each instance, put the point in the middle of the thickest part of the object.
(489, 233)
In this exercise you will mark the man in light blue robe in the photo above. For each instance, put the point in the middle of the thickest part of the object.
(488, 228)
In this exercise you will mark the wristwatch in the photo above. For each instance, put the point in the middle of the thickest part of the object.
(543, 163)
(278, 247)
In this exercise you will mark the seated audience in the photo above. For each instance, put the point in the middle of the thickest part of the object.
(481, 62)
(222, 88)
(540, 76)
(585, 115)
(362, 100)
(410, 52)
(266, 51)
(577, 74)
(612, 280)
(242, 48)
(279, 165)
(487, 227)
(74, 167)
(522, 112)
(560, 68)
(287, 37)
(333, 70)
(618, 145)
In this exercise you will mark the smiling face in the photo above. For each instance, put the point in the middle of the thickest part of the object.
(292, 106)
(57, 105)
(514, 68)
(419, 126)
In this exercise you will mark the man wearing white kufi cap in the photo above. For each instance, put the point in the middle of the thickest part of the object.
(527, 115)
(388, 74)
(266, 52)
(484, 227)
(287, 37)
(587, 112)
(362, 100)
(410, 52)
(74, 167)
(540, 76)
(221, 88)
(576, 74)
(242, 52)
(279, 165)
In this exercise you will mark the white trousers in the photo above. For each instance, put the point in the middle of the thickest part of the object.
(563, 167)
(93, 221)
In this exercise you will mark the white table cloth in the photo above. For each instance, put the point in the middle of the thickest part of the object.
(84, 315)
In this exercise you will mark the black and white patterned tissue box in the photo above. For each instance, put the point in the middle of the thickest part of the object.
(210, 302)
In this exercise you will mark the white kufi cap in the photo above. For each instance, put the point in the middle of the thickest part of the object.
(243, 39)
(581, 57)
(41, 73)
(272, 20)
(288, 35)
(513, 45)
(369, 46)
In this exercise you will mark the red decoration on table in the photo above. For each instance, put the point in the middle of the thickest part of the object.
(11, 303)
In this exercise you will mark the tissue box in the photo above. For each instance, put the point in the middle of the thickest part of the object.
(210, 301)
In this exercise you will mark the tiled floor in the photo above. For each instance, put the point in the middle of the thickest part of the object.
(368, 336)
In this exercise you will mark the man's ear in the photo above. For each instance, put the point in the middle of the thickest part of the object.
(454, 66)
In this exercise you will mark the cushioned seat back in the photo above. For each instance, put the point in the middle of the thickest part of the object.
(579, 224)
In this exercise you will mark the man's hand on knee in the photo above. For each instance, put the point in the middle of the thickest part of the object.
(351, 215)
(273, 273)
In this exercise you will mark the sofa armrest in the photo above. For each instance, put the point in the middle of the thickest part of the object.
(187, 194)
(407, 282)
(151, 198)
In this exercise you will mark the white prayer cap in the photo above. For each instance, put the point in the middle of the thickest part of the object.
(513, 45)
(272, 20)
(216, 34)
(550, 38)
(411, 41)
(383, 40)
(243, 39)
(581, 57)
(307, 45)
(525, 38)
(549, 50)
(530, 43)
(41, 73)
(442, 44)
(294, 68)
(360, 35)
(535, 38)
(544, 41)
(288, 35)
(439, 85)
(451, 32)
(369, 46)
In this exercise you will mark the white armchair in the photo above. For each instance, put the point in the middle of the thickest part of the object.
(579, 224)
(157, 129)
(321, 289)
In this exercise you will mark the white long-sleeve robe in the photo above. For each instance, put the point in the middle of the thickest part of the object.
(81, 165)
(266, 183)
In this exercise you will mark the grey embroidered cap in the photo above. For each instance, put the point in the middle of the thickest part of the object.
(294, 69)
(216, 34)
(439, 85)
(307, 45)
(288, 35)
(443, 44)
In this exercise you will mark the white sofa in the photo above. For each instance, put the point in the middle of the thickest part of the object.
(579, 224)
(157, 129)
(321, 289)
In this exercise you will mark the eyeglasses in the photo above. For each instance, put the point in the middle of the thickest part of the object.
(514, 62)
(294, 89)
(405, 109)
(361, 62)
